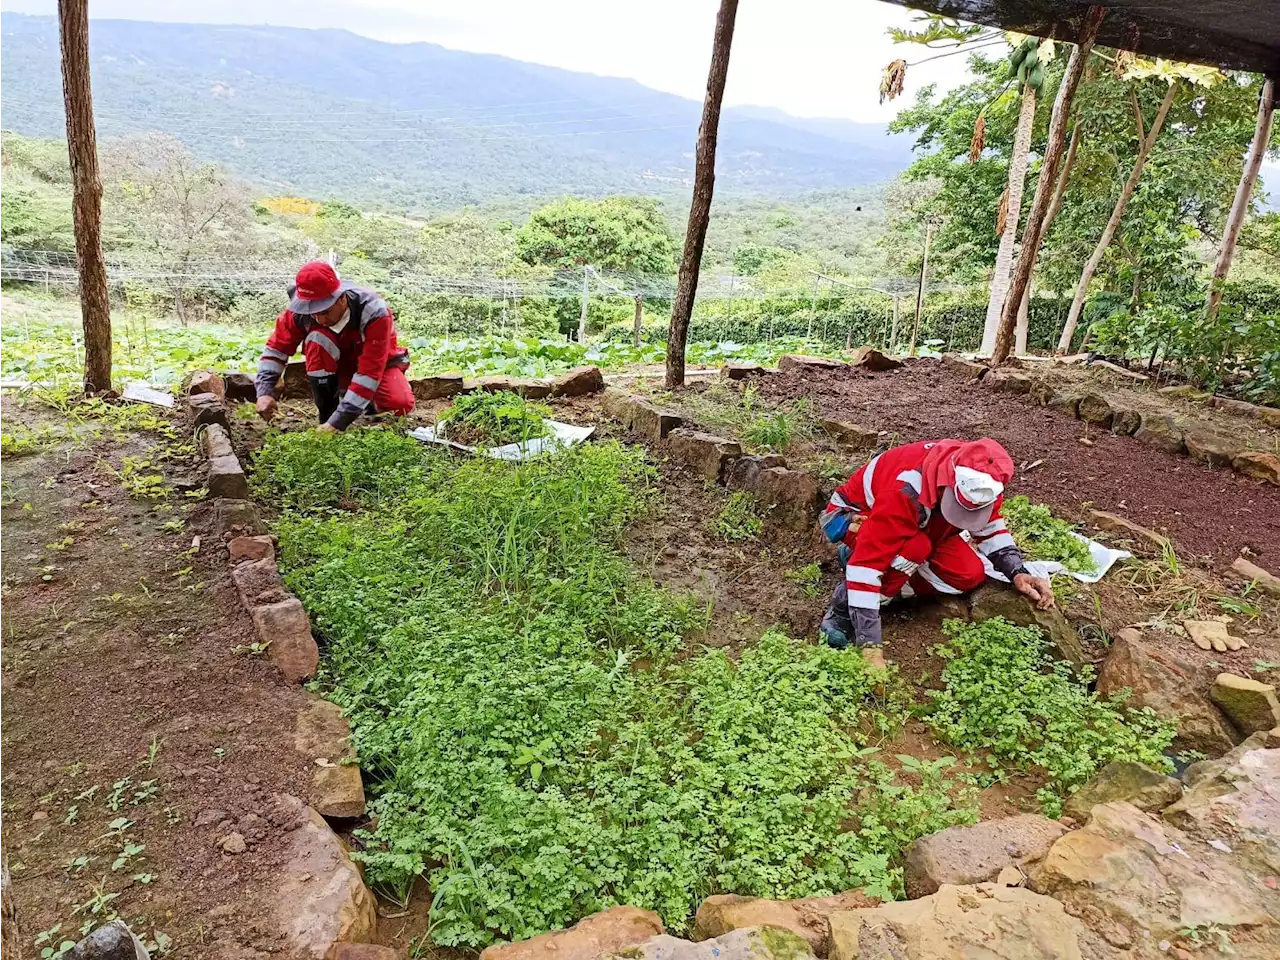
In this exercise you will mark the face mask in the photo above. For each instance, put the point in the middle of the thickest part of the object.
(346, 316)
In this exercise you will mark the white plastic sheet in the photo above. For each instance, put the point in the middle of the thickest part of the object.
(142, 392)
(562, 435)
(1104, 558)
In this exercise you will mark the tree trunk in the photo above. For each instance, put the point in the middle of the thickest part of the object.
(639, 317)
(1113, 224)
(1049, 166)
(582, 315)
(1004, 255)
(82, 150)
(1024, 311)
(704, 180)
(1240, 206)
(924, 273)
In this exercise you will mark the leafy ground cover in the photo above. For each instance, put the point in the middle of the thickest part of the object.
(556, 750)
(1004, 696)
(1042, 536)
(493, 419)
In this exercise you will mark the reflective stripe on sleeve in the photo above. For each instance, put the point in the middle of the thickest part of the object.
(865, 576)
(324, 342)
(914, 478)
(903, 565)
(991, 529)
(266, 365)
(273, 352)
(355, 399)
(867, 474)
(934, 580)
(369, 383)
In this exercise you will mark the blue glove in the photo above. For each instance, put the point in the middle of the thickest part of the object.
(835, 524)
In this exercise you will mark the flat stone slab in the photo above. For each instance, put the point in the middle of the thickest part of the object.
(799, 363)
(705, 453)
(977, 853)
(438, 387)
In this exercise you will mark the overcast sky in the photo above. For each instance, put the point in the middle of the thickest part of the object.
(809, 57)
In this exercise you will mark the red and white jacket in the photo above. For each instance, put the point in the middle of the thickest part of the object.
(359, 354)
(886, 493)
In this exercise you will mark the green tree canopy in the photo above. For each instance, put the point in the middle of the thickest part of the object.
(628, 234)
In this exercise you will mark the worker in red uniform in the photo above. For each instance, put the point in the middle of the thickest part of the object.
(899, 521)
(348, 340)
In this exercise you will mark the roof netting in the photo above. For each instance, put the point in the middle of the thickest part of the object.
(1235, 34)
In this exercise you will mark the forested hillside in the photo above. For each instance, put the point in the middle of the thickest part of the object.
(417, 125)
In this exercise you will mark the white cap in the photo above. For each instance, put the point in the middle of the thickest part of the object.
(971, 501)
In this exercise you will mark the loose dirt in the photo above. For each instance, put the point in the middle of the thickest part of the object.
(1207, 512)
(123, 698)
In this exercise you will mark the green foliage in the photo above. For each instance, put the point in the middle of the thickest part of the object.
(304, 472)
(808, 578)
(1003, 695)
(739, 518)
(1042, 536)
(628, 234)
(771, 432)
(492, 419)
(547, 754)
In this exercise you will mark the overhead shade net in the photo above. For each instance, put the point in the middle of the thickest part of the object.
(1234, 34)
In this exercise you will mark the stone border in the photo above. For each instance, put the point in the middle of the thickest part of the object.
(1163, 429)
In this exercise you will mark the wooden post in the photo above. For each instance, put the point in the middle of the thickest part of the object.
(1240, 206)
(639, 317)
(704, 180)
(924, 270)
(893, 333)
(1049, 166)
(82, 150)
(813, 306)
(582, 317)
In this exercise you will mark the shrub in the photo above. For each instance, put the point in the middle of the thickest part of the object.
(1003, 694)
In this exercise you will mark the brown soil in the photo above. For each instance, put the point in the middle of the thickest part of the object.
(119, 669)
(1207, 512)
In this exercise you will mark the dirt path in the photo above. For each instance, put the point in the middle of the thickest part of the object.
(129, 722)
(1207, 512)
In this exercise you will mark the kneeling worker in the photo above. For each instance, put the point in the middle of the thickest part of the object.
(899, 522)
(348, 340)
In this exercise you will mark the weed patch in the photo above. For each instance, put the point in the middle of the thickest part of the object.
(493, 419)
(1004, 695)
(1042, 536)
(535, 747)
(739, 518)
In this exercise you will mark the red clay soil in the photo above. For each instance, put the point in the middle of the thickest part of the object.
(1207, 512)
(123, 698)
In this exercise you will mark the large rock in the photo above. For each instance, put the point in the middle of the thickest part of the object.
(997, 600)
(742, 371)
(1215, 449)
(321, 899)
(226, 479)
(977, 853)
(1009, 381)
(1168, 688)
(251, 548)
(968, 369)
(793, 497)
(1249, 704)
(1126, 417)
(800, 364)
(706, 454)
(236, 517)
(1161, 430)
(1265, 580)
(206, 381)
(869, 358)
(1065, 401)
(1139, 881)
(526, 387)
(112, 941)
(1267, 414)
(205, 409)
(809, 917)
(285, 627)
(578, 382)
(216, 442)
(258, 582)
(1237, 801)
(749, 943)
(439, 387)
(1259, 465)
(639, 415)
(323, 735)
(612, 931)
(985, 922)
(1124, 781)
(1126, 529)
(850, 433)
(240, 387)
(1095, 408)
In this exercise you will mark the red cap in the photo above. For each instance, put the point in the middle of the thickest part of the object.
(316, 288)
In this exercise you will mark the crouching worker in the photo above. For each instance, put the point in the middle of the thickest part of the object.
(899, 522)
(348, 340)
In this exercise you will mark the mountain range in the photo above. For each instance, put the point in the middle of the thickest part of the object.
(327, 113)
